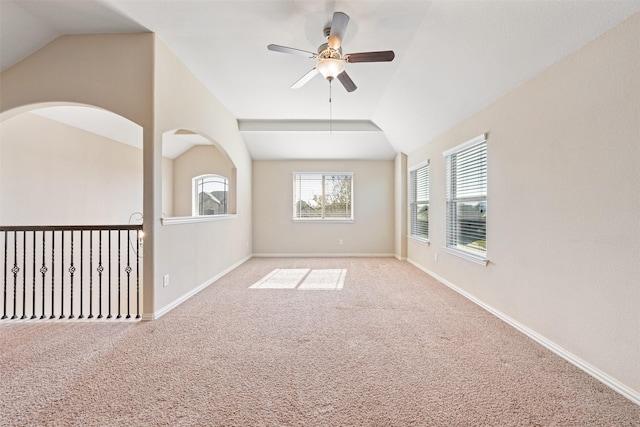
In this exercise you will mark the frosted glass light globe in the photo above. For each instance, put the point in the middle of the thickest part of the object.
(330, 68)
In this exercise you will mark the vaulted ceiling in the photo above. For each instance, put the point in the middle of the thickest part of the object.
(453, 58)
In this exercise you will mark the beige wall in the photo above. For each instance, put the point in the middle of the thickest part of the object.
(55, 174)
(370, 234)
(199, 160)
(563, 205)
(167, 187)
(112, 71)
(192, 254)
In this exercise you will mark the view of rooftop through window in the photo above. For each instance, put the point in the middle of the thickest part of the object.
(210, 195)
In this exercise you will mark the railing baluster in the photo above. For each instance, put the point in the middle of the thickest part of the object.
(72, 270)
(15, 270)
(119, 269)
(33, 283)
(24, 274)
(43, 270)
(109, 276)
(128, 270)
(53, 271)
(81, 273)
(91, 273)
(4, 304)
(62, 277)
(100, 269)
(138, 273)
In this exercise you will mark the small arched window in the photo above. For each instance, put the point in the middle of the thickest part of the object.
(210, 195)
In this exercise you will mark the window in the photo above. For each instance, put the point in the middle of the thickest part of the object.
(210, 195)
(466, 175)
(322, 196)
(419, 201)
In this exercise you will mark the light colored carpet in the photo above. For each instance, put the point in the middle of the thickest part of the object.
(390, 346)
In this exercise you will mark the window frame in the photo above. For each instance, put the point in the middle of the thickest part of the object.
(195, 205)
(325, 219)
(414, 202)
(453, 198)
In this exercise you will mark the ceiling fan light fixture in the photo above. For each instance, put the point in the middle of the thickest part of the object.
(330, 68)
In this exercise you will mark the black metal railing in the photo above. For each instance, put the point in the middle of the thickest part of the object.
(79, 271)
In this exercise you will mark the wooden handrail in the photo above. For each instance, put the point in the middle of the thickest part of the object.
(69, 227)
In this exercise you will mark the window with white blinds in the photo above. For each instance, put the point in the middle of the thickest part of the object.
(419, 201)
(466, 198)
(322, 196)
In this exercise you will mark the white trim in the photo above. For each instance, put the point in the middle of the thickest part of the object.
(322, 255)
(173, 220)
(420, 240)
(604, 378)
(473, 141)
(325, 221)
(167, 308)
(478, 259)
(418, 166)
(321, 173)
(147, 317)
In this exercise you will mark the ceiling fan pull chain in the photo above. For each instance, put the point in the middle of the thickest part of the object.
(330, 109)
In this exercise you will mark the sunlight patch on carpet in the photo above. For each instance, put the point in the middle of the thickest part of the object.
(303, 279)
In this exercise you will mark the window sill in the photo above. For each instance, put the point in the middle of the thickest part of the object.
(420, 240)
(325, 221)
(468, 256)
(195, 219)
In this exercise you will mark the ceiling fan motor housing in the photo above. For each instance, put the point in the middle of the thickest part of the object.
(326, 52)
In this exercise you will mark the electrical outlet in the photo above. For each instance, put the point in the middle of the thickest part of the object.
(435, 257)
(340, 242)
(165, 281)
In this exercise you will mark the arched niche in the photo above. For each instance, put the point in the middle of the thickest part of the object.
(186, 155)
(69, 164)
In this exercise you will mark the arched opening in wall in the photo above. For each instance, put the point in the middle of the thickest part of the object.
(70, 164)
(198, 176)
(71, 192)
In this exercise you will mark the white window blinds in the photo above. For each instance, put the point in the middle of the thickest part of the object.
(323, 196)
(419, 201)
(466, 196)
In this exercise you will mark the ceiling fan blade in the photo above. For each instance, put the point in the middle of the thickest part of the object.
(284, 49)
(338, 28)
(346, 81)
(383, 56)
(304, 79)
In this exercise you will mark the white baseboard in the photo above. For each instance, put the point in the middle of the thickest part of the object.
(322, 255)
(167, 308)
(607, 380)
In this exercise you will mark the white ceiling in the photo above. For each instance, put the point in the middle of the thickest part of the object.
(453, 58)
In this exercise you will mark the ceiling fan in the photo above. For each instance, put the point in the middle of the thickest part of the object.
(331, 61)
